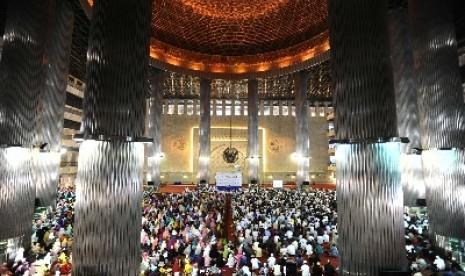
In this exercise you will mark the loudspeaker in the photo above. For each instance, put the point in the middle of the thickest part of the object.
(37, 202)
(150, 183)
(421, 202)
(305, 183)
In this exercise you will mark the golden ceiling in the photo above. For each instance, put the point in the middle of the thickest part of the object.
(228, 37)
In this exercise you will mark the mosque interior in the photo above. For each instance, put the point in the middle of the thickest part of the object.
(164, 92)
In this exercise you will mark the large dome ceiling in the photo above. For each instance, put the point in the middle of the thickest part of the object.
(237, 37)
(237, 27)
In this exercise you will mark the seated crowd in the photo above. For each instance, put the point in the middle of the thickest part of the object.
(285, 232)
(52, 241)
(421, 254)
(182, 232)
(260, 232)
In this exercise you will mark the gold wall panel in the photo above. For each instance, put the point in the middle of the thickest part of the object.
(277, 144)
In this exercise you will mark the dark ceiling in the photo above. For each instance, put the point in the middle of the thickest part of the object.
(82, 23)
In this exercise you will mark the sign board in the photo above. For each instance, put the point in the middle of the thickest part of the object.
(228, 179)
(277, 184)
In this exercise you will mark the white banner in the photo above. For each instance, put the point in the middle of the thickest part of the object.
(228, 179)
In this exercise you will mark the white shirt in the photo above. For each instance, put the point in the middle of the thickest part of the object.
(325, 238)
(246, 271)
(305, 270)
(271, 261)
(255, 262)
(291, 250)
(309, 249)
(440, 264)
(277, 270)
(231, 261)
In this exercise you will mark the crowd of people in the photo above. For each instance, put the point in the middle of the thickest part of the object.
(285, 232)
(421, 254)
(52, 241)
(244, 232)
(182, 232)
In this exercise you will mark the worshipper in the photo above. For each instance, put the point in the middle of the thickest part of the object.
(258, 251)
(255, 263)
(195, 270)
(317, 269)
(421, 263)
(318, 249)
(309, 249)
(231, 260)
(290, 266)
(213, 269)
(271, 260)
(305, 269)
(246, 271)
(277, 270)
(439, 263)
(416, 272)
(329, 269)
(188, 268)
(333, 251)
(326, 237)
(176, 268)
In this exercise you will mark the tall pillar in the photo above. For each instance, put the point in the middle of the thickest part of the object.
(441, 113)
(406, 86)
(204, 133)
(108, 194)
(22, 69)
(52, 101)
(301, 123)
(252, 142)
(369, 191)
(155, 126)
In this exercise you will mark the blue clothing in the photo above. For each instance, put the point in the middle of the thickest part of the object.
(333, 251)
(319, 249)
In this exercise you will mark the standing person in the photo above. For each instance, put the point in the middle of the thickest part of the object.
(176, 268)
(317, 269)
(329, 269)
(305, 269)
(271, 260)
(255, 263)
(231, 260)
(291, 266)
(277, 270)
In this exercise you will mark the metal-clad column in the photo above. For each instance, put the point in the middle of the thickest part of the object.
(155, 126)
(52, 101)
(301, 124)
(204, 133)
(110, 158)
(252, 143)
(441, 114)
(22, 70)
(406, 86)
(369, 191)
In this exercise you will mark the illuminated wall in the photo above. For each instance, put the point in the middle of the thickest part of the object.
(179, 142)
